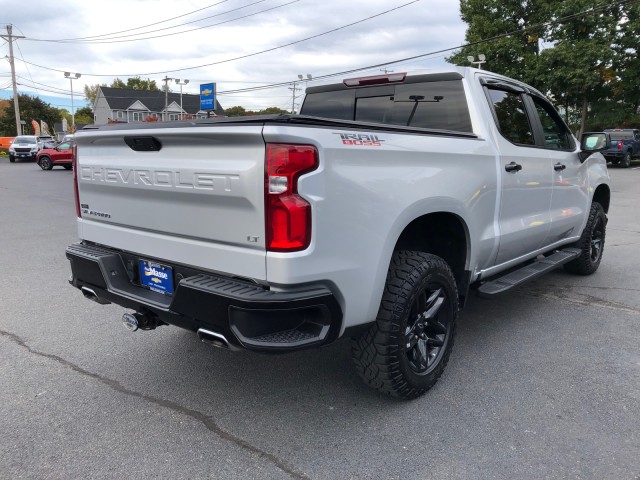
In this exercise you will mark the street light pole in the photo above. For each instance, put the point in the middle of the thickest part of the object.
(181, 83)
(71, 78)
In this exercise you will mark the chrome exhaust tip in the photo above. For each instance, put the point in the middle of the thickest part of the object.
(91, 295)
(214, 338)
(130, 322)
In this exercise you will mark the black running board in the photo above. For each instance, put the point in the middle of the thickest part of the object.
(528, 272)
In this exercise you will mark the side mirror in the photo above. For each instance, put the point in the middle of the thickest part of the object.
(592, 142)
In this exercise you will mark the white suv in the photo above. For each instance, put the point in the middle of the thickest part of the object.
(24, 147)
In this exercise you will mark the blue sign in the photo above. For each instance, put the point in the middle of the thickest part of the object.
(208, 96)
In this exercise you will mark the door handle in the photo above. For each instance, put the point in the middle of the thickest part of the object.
(558, 167)
(513, 167)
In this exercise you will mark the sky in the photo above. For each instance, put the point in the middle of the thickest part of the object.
(237, 44)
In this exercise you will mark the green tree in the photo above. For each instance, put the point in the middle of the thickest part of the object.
(577, 69)
(31, 108)
(84, 116)
(514, 56)
(236, 111)
(271, 111)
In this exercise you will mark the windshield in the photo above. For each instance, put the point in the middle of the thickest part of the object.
(25, 139)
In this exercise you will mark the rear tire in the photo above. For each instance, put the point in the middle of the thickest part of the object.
(406, 350)
(45, 163)
(591, 243)
(626, 160)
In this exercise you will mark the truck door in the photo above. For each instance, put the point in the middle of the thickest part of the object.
(570, 197)
(526, 176)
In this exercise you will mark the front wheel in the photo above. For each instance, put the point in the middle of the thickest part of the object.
(45, 163)
(405, 351)
(12, 159)
(591, 243)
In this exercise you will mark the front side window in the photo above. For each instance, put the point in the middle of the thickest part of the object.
(512, 117)
(556, 134)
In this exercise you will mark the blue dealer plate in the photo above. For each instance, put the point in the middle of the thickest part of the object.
(156, 277)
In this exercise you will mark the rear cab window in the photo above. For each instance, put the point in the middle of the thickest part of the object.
(434, 101)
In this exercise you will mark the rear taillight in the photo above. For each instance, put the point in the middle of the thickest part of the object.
(74, 165)
(287, 215)
(620, 143)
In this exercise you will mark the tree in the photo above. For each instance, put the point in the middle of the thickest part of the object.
(91, 92)
(31, 108)
(577, 69)
(84, 116)
(566, 56)
(134, 83)
(271, 111)
(514, 56)
(236, 111)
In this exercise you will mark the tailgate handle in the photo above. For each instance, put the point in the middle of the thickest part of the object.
(143, 144)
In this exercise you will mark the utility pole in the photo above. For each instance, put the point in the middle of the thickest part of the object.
(9, 38)
(293, 97)
(166, 96)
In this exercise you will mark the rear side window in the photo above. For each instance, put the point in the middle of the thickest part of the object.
(512, 117)
(434, 105)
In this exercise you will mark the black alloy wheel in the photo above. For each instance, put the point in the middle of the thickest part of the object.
(406, 350)
(591, 243)
(427, 330)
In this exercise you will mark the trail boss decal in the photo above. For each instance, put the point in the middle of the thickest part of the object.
(360, 139)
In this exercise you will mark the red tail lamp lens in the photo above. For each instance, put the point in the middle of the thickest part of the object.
(288, 215)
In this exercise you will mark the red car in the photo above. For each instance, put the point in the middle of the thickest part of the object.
(48, 158)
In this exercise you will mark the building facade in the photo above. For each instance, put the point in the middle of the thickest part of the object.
(123, 105)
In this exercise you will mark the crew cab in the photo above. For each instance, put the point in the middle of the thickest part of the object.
(625, 146)
(372, 215)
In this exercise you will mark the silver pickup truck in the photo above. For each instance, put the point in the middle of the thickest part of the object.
(371, 215)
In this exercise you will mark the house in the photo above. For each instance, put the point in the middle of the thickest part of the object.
(126, 106)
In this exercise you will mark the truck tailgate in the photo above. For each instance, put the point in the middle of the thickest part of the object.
(198, 200)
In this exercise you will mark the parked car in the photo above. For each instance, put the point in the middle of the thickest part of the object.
(61, 155)
(625, 146)
(24, 147)
(47, 141)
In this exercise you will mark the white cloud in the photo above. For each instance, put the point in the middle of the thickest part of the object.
(424, 26)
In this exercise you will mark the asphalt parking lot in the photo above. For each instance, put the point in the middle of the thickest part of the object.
(543, 382)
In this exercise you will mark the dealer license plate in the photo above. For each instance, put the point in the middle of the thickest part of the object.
(156, 277)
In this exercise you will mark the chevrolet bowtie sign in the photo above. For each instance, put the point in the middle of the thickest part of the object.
(208, 96)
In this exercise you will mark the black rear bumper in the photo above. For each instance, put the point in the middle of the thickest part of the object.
(248, 315)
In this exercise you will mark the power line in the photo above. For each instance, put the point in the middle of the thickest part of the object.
(114, 39)
(140, 28)
(242, 56)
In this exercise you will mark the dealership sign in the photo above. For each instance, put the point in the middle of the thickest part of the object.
(208, 96)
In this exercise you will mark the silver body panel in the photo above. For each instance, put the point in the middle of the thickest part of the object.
(202, 199)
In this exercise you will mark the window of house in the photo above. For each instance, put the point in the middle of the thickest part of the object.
(138, 116)
(174, 116)
(121, 115)
(512, 117)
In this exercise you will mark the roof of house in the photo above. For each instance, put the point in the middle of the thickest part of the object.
(123, 98)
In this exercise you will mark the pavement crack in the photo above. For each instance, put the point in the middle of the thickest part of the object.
(206, 420)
